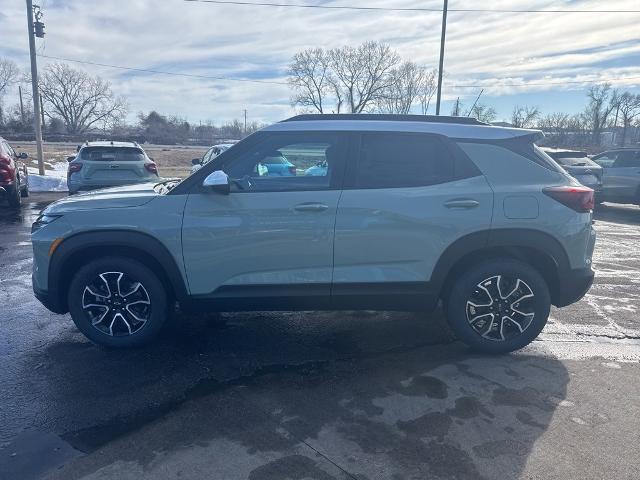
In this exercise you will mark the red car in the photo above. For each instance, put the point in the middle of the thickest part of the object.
(14, 178)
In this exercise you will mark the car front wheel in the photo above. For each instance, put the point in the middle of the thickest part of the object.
(118, 302)
(499, 305)
(14, 198)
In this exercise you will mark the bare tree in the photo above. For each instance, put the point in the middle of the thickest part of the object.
(362, 74)
(81, 101)
(629, 109)
(405, 87)
(428, 90)
(524, 117)
(483, 112)
(555, 125)
(309, 75)
(602, 101)
(9, 74)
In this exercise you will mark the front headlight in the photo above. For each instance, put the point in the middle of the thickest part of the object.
(43, 220)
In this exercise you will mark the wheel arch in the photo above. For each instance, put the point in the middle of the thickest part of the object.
(78, 249)
(536, 248)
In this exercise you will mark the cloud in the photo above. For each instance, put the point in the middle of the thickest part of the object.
(257, 42)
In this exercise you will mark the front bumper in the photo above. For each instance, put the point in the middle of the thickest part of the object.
(50, 300)
(573, 285)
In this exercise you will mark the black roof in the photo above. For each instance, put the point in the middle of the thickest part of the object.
(386, 117)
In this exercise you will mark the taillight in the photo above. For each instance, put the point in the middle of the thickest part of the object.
(579, 199)
(5, 160)
(292, 170)
(151, 167)
(74, 167)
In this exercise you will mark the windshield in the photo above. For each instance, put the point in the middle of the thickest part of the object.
(576, 162)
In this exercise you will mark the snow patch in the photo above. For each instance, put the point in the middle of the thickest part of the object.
(55, 179)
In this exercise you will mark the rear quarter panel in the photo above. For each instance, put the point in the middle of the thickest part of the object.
(520, 203)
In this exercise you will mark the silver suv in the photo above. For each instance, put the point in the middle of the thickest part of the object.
(108, 164)
(406, 212)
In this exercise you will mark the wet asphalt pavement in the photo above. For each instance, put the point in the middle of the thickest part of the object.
(323, 395)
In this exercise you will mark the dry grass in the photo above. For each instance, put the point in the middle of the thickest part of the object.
(172, 161)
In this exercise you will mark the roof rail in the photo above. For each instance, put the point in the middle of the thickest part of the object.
(386, 117)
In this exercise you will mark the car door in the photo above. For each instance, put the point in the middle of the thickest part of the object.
(272, 236)
(606, 160)
(624, 176)
(409, 198)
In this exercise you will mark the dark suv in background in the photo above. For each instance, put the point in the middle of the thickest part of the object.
(621, 178)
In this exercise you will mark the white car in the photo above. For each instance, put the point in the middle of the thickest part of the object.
(212, 153)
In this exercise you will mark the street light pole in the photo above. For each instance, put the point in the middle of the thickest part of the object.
(34, 85)
(442, 40)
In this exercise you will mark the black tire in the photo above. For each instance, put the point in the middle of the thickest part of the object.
(472, 318)
(24, 192)
(88, 281)
(13, 197)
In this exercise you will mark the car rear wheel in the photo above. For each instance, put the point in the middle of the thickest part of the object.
(24, 193)
(118, 302)
(498, 306)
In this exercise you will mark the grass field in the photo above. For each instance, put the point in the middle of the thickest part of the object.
(172, 161)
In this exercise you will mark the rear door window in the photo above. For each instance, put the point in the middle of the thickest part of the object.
(396, 160)
(112, 154)
(606, 159)
(628, 159)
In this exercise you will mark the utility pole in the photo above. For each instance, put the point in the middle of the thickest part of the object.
(42, 112)
(21, 104)
(34, 85)
(442, 40)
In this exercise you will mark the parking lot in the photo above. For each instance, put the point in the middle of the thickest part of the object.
(346, 395)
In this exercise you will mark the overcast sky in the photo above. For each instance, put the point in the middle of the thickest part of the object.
(256, 42)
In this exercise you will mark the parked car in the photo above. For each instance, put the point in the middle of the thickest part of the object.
(579, 166)
(621, 178)
(14, 177)
(318, 170)
(108, 164)
(213, 152)
(412, 211)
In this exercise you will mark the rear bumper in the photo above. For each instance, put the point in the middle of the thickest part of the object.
(573, 286)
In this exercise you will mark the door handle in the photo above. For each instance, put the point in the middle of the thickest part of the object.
(467, 203)
(311, 207)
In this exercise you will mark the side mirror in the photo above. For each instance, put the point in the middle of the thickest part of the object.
(23, 155)
(196, 161)
(71, 159)
(218, 181)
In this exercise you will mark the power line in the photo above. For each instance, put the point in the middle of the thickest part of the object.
(527, 84)
(495, 81)
(162, 72)
(400, 9)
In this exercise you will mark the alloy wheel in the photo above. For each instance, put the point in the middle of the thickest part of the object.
(501, 308)
(116, 304)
